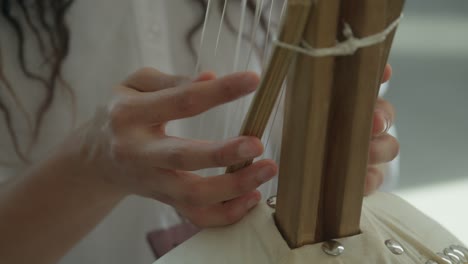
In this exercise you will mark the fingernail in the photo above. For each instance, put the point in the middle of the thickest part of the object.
(251, 203)
(248, 150)
(249, 82)
(266, 173)
(382, 116)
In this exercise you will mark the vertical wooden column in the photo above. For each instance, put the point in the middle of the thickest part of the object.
(328, 119)
(357, 79)
(304, 131)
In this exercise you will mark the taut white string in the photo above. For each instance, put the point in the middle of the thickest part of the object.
(239, 37)
(202, 40)
(278, 103)
(347, 47)
(267, 36)
(197, 66)
(221, 23)
(253, 42)
(283, 10)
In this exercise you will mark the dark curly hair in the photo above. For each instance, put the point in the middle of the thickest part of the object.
(46, 19)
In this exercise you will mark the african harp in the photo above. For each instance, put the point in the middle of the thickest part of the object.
(331, 54)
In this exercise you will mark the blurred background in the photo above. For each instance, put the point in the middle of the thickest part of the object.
(430, 93)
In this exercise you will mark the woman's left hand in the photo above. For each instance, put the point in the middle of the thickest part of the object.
(383, 147)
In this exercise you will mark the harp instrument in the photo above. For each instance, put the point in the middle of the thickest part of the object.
(333, 53)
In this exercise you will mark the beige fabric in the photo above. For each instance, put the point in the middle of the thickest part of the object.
(256, 239)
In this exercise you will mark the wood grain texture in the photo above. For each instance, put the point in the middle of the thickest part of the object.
(304, 131)
(329, 108)
(357, 79)
(328, 123)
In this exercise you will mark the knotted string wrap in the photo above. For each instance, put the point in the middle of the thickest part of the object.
(347, 47)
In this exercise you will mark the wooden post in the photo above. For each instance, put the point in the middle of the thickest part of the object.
(304, 131)
(357, 79)
(328, 124)
(328, 118)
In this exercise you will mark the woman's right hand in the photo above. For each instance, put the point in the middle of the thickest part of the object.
(127, 147)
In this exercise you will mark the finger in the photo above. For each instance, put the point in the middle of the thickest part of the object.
(374, 179)
(151, 80)
(189, 155)
(205, 76)
(222, 214)
(383, 149)
(192, 99)
(384, 115)
(204, 191)
(387, 73)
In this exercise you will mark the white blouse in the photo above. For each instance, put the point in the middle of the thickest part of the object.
(110, 39)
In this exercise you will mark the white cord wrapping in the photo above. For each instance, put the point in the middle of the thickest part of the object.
(347, 47)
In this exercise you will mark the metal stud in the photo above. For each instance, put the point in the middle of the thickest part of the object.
(333, 248)
(446, 259)
(460, 252)
(272, 202)
(452, 255)
(394, 247)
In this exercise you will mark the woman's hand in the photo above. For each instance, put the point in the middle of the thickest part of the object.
(124, 150)
(127, 147)
(384, 147)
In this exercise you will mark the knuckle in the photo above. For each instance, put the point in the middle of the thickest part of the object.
(176, 157)
(194, 195)
(375, 173)
(146, 72)
(374, 153)
(177, 80)
(385, 149)
(390, 107)
(378, 176)
(243, 185)
(140, 77)
(229, 89)
(387, 107)
(395, 147)
(233, 215)
(119, 113)
(220, 158)
(374, 179)
(199, 220)
(186, 103)
(119, 150)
